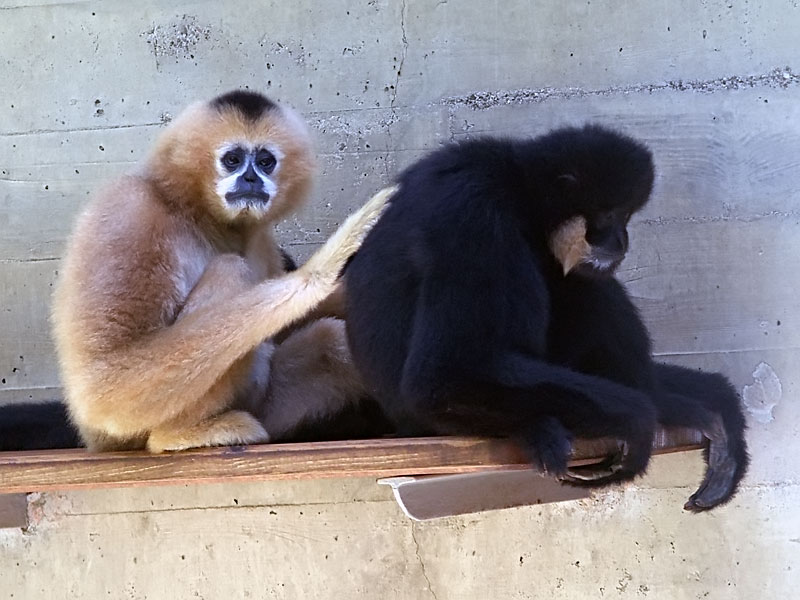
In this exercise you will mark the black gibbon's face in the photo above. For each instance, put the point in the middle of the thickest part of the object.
(247, 177)
(592, 245)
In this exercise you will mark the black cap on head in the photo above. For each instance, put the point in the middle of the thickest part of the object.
(251, 104)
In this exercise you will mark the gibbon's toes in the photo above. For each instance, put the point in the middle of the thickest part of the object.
(232, 428)
(622, 465)
(717, 487)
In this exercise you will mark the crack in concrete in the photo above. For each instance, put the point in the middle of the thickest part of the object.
(792, 214)
(6, 261)
(776, 78)
(402, 55)
(725, 351)
(421, 562)
(393, 100)
(78, 129)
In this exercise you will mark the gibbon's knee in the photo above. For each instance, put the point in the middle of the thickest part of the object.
(318, 353)
(312, 379)
(424, 391)
(100, 441)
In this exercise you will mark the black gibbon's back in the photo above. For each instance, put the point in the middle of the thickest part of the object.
(456, 292)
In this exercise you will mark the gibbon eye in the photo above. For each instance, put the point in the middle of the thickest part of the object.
(266, 161)
(231, 160)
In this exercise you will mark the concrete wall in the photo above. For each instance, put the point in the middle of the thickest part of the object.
(713, 87)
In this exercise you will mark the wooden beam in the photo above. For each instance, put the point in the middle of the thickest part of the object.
(74, 469)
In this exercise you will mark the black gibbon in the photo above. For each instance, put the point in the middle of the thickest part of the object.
(483, 302)
(173, 287)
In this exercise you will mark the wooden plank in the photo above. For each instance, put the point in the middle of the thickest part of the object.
(75, 469)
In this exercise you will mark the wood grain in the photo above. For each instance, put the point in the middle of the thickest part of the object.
(75, 469)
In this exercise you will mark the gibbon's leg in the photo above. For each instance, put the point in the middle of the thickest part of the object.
(100, 441)
(514, 394)
(166, 376)
(708, 402)
(312, 377)
(225, 276)
(211, 423)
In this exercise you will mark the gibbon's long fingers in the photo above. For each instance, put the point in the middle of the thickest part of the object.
(596, 473)
(330, 259)
(200, 347)
(548, 445)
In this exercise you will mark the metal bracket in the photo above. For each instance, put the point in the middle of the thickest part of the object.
(435, 496)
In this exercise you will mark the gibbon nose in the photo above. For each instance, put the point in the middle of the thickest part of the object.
(250, 174)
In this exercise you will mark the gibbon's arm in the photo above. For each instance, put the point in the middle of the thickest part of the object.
(514, 391)
(171, 368)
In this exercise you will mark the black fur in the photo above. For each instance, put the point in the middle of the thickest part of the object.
(289, 264)
(36, 427)
(359, 420)
(251, 104)
(462, 320)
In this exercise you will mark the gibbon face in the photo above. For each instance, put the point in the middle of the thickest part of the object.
(246, 158)
(600, 179)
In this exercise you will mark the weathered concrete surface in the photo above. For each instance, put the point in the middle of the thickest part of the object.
(713, 87)
(347, 539)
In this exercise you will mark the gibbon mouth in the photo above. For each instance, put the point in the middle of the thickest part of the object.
(599, 265)
(248, 197)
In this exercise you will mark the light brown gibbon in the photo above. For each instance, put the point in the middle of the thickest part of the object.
(173, 289)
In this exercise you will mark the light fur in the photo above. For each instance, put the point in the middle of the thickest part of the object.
(167, 302)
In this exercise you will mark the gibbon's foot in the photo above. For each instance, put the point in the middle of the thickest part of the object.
(715, 489)
(548, 445)
(597, 473)
(615, 468)
(228, 429)
(722, 473)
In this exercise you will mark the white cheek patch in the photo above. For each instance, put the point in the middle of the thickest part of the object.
(269, 186)
(228, 183)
